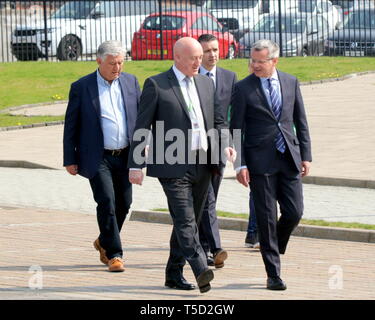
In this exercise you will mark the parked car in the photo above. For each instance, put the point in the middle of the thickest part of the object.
(173, 25)
(78, 27)
(302, 34)
(238, 16)
(352, 5)
(356, 38)
(324, 8)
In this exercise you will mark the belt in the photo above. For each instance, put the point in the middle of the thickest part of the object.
(116, 152)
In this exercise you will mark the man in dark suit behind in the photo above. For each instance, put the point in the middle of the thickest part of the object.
(179, 106)
(224, 81)
(275, 151)
(99, 125)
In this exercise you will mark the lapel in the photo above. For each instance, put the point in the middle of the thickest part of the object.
(219, 83)
(177, 90)
(262, 96)
(199, 84)
(283, 88)
(93, 89)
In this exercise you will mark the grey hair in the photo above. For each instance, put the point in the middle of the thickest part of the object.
(272, 47)
(111, 47)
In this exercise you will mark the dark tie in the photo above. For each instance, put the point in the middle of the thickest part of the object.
(276, 109)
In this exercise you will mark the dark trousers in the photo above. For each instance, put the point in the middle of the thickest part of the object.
(186, 197)
(209, 225)
(283, 185)
(252, 225)
(113, 194)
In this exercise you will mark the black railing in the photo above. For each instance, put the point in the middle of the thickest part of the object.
(72, 30)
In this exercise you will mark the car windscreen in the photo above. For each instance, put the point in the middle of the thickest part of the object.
(230, 4)
(165, 23)
(307, 5)
(289, 24)
(345, 4)
(74, 10)
(360, 20)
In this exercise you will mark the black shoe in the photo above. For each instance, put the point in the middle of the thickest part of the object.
(252, 241)
(275, 283)
(180, 284)
(219, 257)
(204, 279)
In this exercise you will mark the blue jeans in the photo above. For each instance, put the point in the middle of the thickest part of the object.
(252, 226)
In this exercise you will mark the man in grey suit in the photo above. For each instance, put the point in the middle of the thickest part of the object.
(224, 81)
(275, 151)
(179, 106)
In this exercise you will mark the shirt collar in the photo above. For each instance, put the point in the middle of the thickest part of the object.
(179, 75)
(103, 81)
(273, 77)
(204, 71)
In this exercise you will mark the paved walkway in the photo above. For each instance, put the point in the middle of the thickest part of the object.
(48, 254)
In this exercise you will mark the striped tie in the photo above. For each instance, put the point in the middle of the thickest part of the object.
(276, 109)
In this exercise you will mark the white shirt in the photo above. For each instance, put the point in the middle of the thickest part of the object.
(112, 113)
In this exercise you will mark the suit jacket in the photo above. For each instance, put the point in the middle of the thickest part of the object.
(225, 81)
(252, 114)
(83, 135)
(163, 108)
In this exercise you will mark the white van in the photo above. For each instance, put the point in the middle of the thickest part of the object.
(324, 8)
(238, 16)
(78, 27)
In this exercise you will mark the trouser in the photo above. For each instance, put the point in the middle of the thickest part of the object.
(112, 192)
(186, 197)
(283, 185)
(209, 225)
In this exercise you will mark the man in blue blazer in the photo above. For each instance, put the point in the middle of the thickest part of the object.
(276, 151)
(224, 81)
(99, 125)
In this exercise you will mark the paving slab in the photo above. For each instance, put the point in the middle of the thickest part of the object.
(48, 254)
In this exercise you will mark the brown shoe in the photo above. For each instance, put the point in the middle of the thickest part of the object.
(219, 257)
(116, 265)
(103, 257)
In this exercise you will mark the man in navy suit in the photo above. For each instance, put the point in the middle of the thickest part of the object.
(276, 151)
(224, 81)
(99, 125)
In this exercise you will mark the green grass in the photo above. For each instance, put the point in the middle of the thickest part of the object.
(349, 225)
(35, 82)
(7, 120)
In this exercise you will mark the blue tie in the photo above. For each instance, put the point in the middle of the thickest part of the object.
(276, 109)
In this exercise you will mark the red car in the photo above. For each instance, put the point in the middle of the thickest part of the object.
(146, 42)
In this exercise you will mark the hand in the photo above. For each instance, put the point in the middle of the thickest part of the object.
(72, 169)
(136, 176)
(231, 154)
(305, 168)
(243, 177)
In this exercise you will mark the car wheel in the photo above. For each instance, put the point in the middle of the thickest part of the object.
(70, 48)
(231, 52)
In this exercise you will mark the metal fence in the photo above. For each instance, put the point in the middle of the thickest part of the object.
(72, 30)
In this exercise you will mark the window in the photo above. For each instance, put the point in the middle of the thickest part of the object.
(165, 23)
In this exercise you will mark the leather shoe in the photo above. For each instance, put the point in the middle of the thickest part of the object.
(180, 284)
(116, 265)
(204, 279)
(210, 261)
(219, 257)
(275, 283)
(103, 256)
